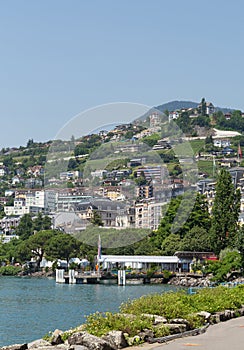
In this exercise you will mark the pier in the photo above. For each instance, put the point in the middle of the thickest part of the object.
(121, 277)
(76, 277)
(122, 270)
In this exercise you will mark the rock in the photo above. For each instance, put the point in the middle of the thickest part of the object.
(204, 314)
(181, 321)
(241, 311)
(116, 339)
(157, 319)
(175, 328)
(15, 347)
(215, 318)
(56, 337)
(55, 347)
(134, 340)
(78, 347)
(90, 341)
(39, 343)
(146, 334)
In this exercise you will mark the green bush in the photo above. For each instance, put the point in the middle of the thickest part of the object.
(182, 305)
(99, 324)
(9, 270)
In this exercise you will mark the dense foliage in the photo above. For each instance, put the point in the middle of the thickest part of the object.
(170, 305)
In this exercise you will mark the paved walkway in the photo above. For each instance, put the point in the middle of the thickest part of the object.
(227, 335)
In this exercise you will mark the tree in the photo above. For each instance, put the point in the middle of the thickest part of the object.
(96, 219)
(199, 216)
(25, 227)
(38, 244)
(171, 244)
(62, 246)
(197, 239)
(225, 213)
(30, 143)
(141, 180)
(42, 222)
(203, 107)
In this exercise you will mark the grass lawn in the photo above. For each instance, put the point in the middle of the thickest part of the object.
(196, 145)
(205, 166)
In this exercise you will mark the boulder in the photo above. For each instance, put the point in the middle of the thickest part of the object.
(78, 347)
(241, 311)
(204, 314)
(90, 341)
(176, 328)
(15, 347)
(57, 337)
(157, 319)
(215, 318)
(146, 334)
(116, 339)
(181, 321)
(39, 343)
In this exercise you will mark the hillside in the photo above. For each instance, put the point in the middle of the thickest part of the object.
(174, 105)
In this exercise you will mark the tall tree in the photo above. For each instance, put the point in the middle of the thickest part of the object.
(25, 227)
(225, 213)
(199, 216)
(203, 107)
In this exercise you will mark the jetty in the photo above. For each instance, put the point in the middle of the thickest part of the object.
(121, 270)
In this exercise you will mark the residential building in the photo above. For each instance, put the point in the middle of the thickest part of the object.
(19, 208)
(145, 191)
(99, 173)
(107, 209)
(148, 214)
(221, 143)
(154, 119)
(9, 223)
(69, 175)
(155, 173)
(174, 115)
(3, 171)
(210, 109)
(66, 201)
(33, 183)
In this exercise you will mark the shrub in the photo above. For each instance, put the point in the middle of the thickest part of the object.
(99, 324)
(9, 270)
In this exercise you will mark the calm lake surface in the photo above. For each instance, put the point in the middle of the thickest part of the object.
(31, 307)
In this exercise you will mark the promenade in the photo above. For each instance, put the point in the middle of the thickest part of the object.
(227, 335)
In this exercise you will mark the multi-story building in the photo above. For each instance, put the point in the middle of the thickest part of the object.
(145, 191)
(148, 214)
(154, 173)
(9, 223)
(19, 208)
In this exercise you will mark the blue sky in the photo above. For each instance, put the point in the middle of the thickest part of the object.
(59, 58)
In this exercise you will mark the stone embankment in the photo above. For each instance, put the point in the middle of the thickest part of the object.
(190, 280)
(81, 340)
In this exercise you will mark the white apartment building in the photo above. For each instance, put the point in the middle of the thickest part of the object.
(19, 208)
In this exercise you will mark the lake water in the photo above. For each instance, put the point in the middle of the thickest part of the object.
(31, 307)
